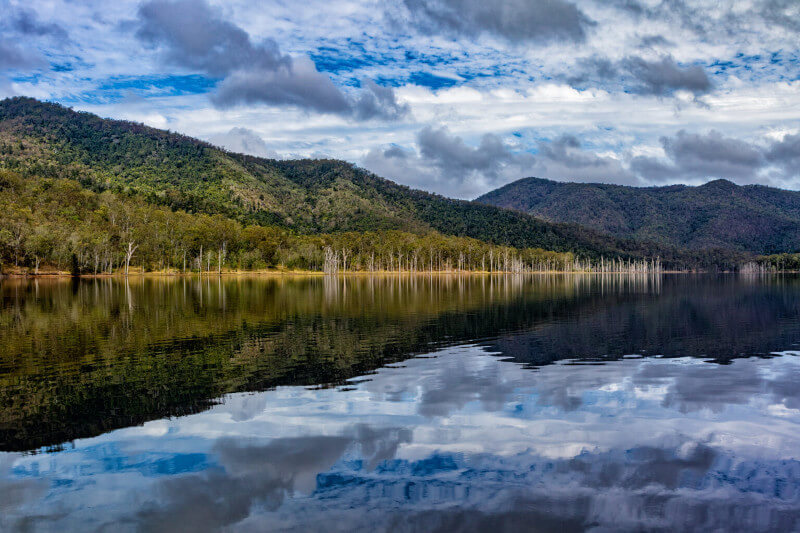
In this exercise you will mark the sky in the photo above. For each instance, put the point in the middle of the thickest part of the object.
(456, 97)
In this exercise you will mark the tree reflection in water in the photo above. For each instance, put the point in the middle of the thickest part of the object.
(527, 411)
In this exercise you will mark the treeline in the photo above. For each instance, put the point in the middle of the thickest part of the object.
(54, 224)
(754, 218)
(308, 197)
(775, 263)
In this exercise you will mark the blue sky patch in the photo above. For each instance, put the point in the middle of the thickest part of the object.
(432, 81)
(167, 85)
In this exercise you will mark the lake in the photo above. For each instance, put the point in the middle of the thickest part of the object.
(401, 403)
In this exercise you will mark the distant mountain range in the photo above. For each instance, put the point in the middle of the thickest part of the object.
(719, 214)
(45, 140)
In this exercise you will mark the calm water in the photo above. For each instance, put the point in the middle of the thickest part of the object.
(562, 403)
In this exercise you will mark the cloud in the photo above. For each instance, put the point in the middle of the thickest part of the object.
(664, 76)
(193, 35)
(16, 30)
(654, 170)
(659, 77)
(395, 151)
(718, 22)
(14, 57)
(712, 154)
(564, 159)
(377, 101)
(455, 158)
(655, 41)
(785, 13)
(517, 21)
(443, 162)
(693, 156)
(785, 153)
(300, 85)
(478, 70)
(244, 141)
(405, 166)
(26, 22)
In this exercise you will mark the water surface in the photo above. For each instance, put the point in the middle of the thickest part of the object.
(563, 403)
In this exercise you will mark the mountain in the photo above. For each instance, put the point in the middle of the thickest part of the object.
(306, 197)
(719, 214)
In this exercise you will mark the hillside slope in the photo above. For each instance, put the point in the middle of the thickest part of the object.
(46, 140)
(719, 214)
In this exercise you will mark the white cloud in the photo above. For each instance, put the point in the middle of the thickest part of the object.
(489, 84)
(243, 141)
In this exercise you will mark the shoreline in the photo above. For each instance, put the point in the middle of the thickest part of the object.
(314, 273)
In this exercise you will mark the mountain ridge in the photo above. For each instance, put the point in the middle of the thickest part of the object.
(718, 214)
(303, 196)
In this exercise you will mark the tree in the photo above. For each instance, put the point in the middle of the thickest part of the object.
(129, 251)
(40, 245)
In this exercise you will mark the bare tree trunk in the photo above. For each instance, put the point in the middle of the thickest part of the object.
(331, 264)
(222, 253)
(128, 255)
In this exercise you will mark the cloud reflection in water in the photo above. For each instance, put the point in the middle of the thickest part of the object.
(461, 441)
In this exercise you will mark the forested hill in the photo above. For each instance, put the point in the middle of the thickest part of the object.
(719, 214)
(48, 141)
(308, 196)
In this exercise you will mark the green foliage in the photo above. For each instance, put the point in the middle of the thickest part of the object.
(718, 214)
(97, 185)
(54, 223)
(781, 262)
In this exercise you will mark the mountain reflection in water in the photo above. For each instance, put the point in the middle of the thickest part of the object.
(526, 411)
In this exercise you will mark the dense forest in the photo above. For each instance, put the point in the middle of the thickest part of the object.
(719, 214)
(56, 223)
(90, 195)
(778, 263)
